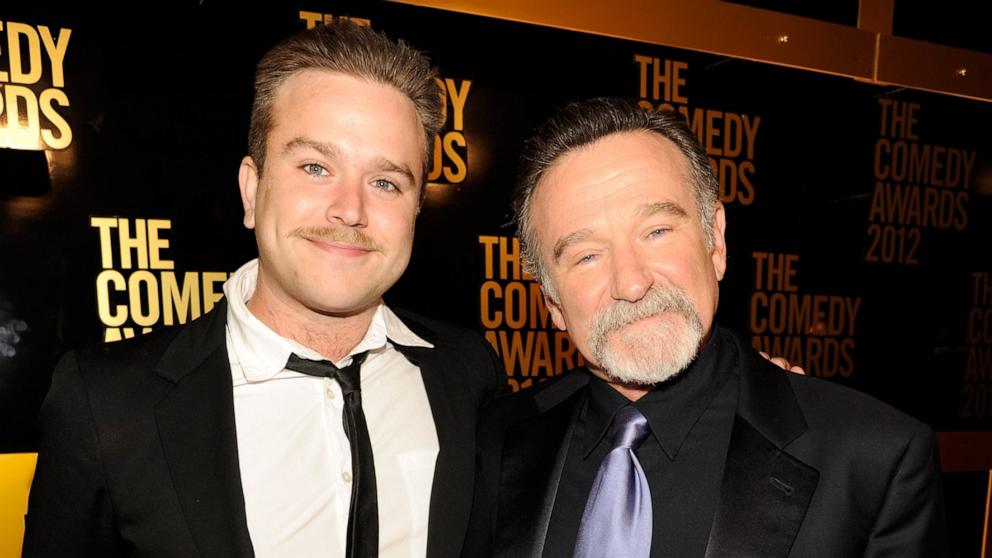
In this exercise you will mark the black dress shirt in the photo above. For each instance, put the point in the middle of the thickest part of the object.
(691, 418)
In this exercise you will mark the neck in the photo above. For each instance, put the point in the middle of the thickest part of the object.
(332, 335)
(630, 391)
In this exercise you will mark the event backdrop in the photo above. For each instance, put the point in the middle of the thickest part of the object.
(859, 215)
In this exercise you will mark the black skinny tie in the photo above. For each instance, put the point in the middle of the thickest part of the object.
(363, 516)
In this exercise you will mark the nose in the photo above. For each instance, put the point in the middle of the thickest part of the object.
(347, 205)
(631, 277)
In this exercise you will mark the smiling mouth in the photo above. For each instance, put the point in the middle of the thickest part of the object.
(338, 247)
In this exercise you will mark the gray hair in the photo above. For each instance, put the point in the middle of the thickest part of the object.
(584, 122)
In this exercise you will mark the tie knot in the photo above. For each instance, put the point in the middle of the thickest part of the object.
(630, 428)
(349, 377)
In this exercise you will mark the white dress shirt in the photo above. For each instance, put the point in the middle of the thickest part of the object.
(294, 456)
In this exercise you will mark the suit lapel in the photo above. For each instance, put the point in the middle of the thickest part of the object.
(765, 492)
(196, 426)
(534, 454)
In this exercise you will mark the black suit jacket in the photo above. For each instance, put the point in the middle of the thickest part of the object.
(139, 454)
(813, 469)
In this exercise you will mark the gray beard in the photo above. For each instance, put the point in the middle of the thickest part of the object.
(649, 356)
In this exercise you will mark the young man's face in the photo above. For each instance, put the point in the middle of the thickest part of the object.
(334, 208)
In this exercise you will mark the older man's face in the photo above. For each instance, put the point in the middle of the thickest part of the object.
(620, 237)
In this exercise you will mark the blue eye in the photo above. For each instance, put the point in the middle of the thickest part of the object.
(313, 169)
(659, 232)
(385, 185)
(585, 259)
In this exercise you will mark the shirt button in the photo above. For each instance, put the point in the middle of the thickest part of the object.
(329, 391)
(346, 476)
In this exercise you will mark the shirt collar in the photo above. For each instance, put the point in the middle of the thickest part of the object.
(672, 408)
(262, 353)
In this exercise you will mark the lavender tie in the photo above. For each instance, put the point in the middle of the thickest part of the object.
(617, 519)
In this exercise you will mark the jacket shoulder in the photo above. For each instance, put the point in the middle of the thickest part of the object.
(141, 347)
(440, 333)
(829, 405)
(511, 409)
(168, 352)
(475, 359)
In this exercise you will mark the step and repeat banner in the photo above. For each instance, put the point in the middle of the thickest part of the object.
(859, 216)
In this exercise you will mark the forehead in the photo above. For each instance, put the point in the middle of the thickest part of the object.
(316, 98)
(617, 173)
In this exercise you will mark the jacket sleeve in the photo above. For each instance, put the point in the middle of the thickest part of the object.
(479, 541)
(69, 509)
(496, 375)
(911, 521)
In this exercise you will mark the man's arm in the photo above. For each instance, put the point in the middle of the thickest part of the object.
(478, 542)
(69, 508)
(496, 375)
(911, 521)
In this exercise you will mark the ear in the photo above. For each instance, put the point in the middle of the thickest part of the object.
(554, 308)
(248, 182)
(719, 251)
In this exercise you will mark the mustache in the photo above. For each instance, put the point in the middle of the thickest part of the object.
(346, 235)
(656, 301)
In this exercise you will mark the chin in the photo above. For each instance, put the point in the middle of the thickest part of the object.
(335, 304)
(650, 359)
(643, 372)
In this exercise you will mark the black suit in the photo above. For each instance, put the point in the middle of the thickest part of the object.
(139, 452)
(812, 469)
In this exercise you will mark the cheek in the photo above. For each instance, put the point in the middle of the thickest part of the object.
(397, 224)
(578, 312)
(686, 272)
(703, 292)
(270, 204)
(291, 210)
(580, 333)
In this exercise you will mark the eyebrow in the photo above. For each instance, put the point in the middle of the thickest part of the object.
(568, 240)
(671, 208)
(324, 149)
(643, 210)
(385, 165)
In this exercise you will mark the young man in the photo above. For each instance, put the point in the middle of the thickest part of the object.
(214, 439)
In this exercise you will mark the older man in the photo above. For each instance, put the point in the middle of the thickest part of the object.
(248, 431)
(678, 439)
